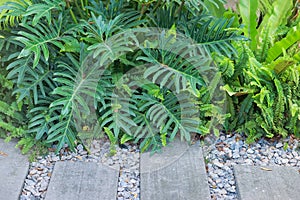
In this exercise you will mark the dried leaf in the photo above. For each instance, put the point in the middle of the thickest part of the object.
(265, 169)
(79, 157)
(3, 154)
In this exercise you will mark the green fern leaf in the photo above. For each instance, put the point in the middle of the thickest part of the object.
(277, 16)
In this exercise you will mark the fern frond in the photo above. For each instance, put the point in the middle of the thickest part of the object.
(281, 64)
(9, 127)
(280, 104)
(276, 16)
(244, 109)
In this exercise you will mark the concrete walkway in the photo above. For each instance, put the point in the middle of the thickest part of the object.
(178, 173)
(13, 170)
(80, 180)
(267, 183)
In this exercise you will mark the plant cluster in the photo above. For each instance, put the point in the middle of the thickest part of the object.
(265, 86)
(147, 71)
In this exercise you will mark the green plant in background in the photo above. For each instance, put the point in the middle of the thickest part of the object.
(264, 87)
(11, 119)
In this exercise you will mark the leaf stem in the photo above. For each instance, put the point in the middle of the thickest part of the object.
(71, 12)
(178, 11)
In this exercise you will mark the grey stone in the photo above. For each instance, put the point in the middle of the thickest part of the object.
(218, 164)
(279, 145)
(231, 182)
(218, 180)
(80, 147)
(175, 174)
(223, 191)
(285, 161)
(13, 170)
(250, 151)
(248, 161)
(255, 183)
(220, 172)
(295, 154)
(82, 180)
(235, 155)
(222, 138)
(231, 189)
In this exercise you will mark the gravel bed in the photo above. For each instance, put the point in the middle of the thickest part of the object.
(228, 150)
(38, 178)
(220, 154)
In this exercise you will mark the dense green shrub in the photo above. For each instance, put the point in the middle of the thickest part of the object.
(11, 118)
(69, 60)
(147, 70)
(264, 89)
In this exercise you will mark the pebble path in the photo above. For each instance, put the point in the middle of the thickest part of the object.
(220, 154)
(229, 150)
(38, 178)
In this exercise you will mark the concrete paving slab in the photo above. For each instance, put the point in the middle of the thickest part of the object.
(178, 173)
(82, 180)
(271, 183)
(13, 170)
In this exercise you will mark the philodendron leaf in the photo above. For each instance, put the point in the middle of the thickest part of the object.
(45, 9)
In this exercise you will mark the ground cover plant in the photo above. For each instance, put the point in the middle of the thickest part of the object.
(146, 71)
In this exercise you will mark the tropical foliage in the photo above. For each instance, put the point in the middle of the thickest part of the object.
(265, 86)
(146, 71)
